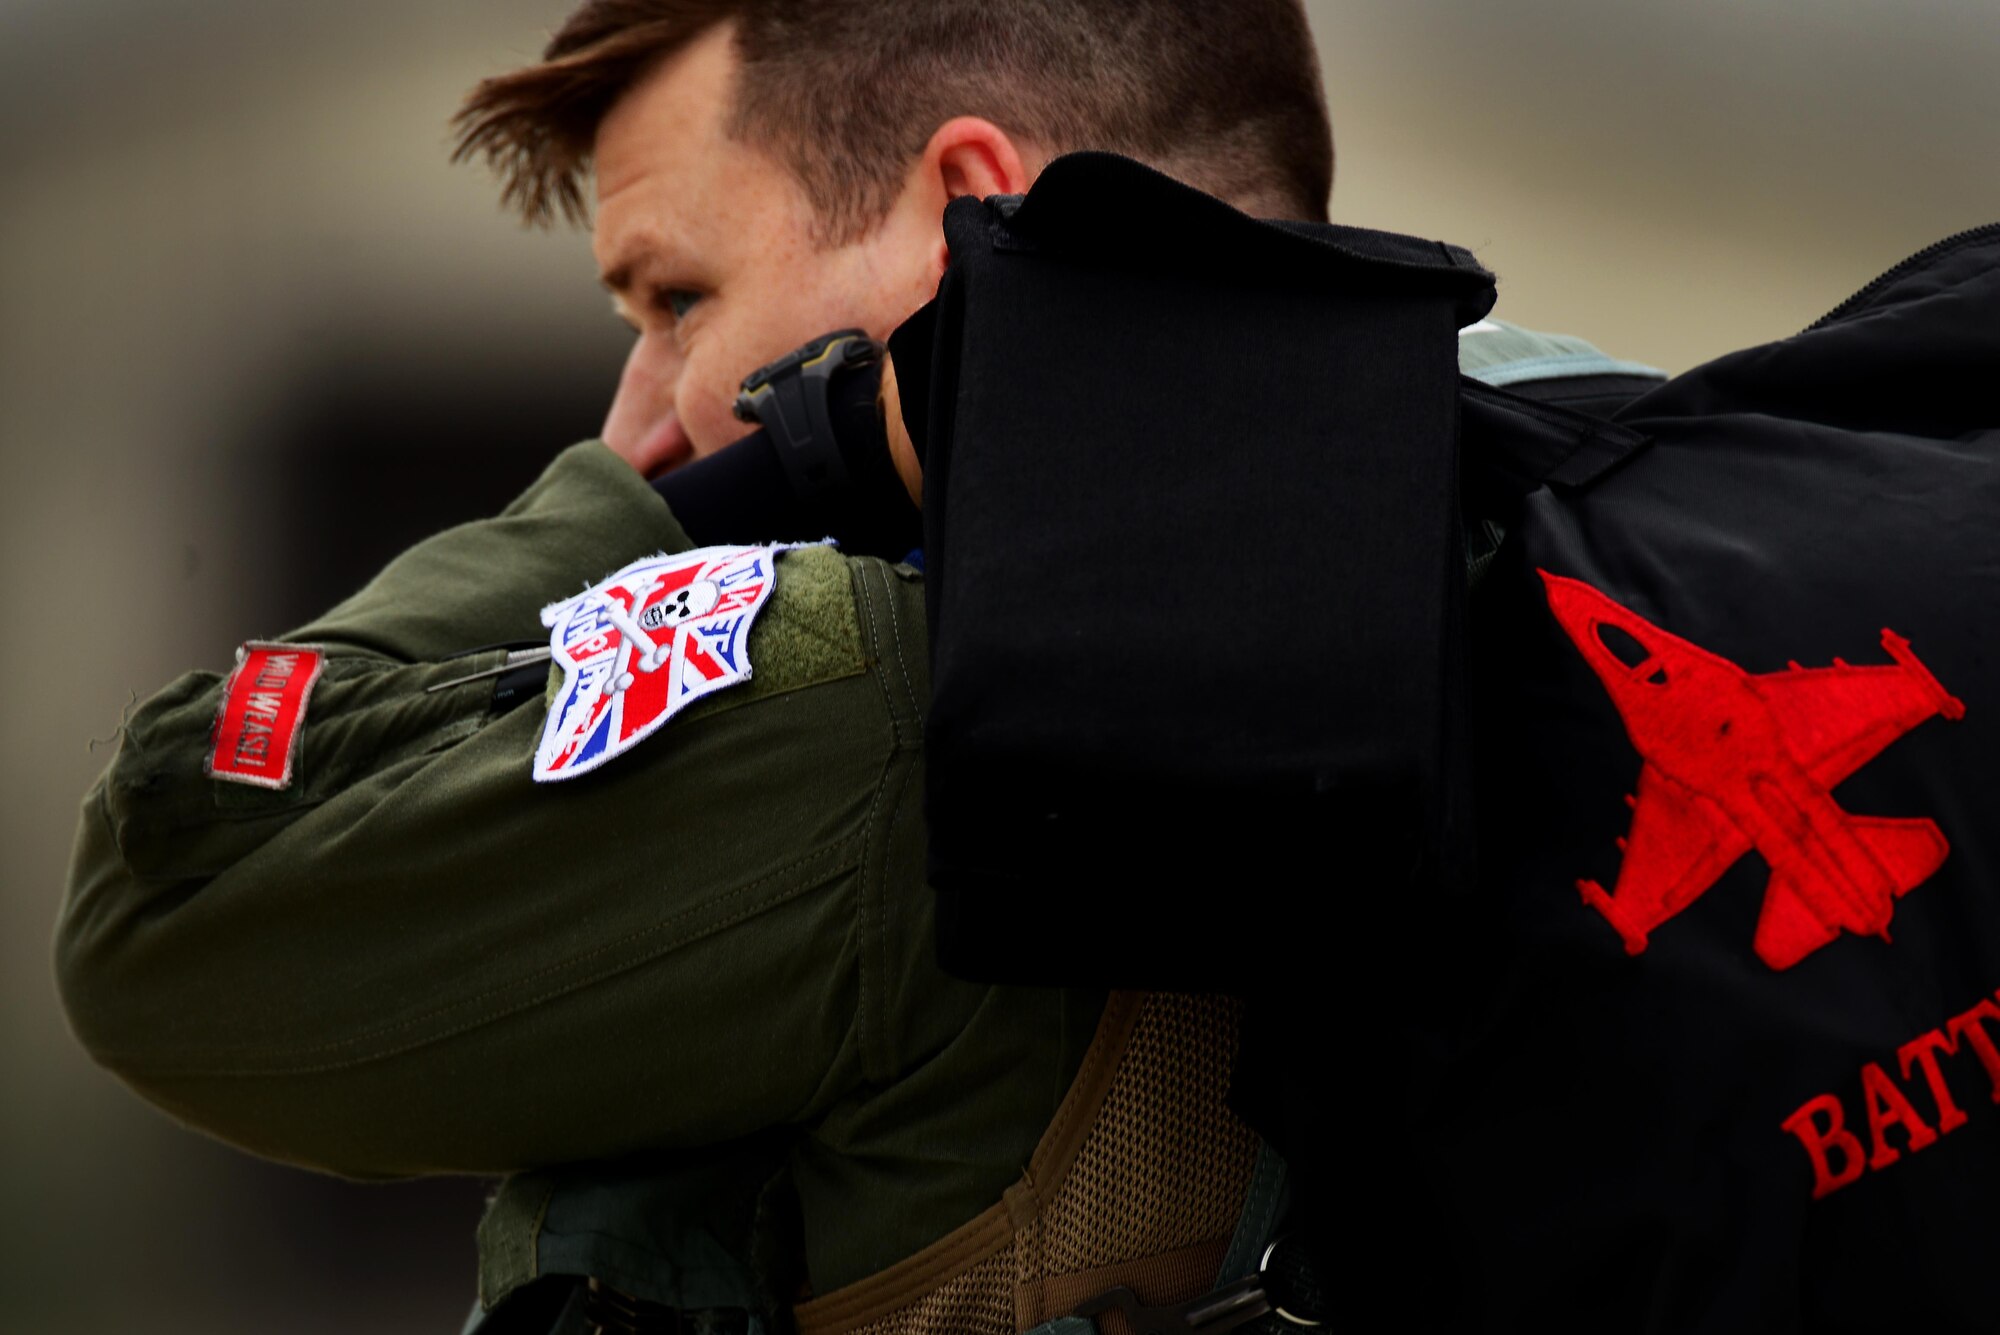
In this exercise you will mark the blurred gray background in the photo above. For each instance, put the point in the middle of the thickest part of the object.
(256, 335)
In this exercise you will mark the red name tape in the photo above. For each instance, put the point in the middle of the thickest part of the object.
(263, 710)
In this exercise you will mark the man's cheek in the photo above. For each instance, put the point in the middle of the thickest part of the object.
(708, 412)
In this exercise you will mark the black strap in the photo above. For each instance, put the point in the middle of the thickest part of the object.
(1522, 444)
(801, 430)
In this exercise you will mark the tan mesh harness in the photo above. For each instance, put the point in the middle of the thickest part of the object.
(1138, 1181)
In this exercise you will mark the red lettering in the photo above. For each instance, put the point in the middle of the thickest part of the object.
(275, 677)
(1886, 1107)
(1924, 1049)
(1817, 1142)
(1837, 1154)
(1967, 1027)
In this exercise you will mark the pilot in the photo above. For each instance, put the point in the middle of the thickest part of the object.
(688, 1002)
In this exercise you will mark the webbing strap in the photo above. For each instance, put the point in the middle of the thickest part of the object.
(1262, 1206)
(1528, 444)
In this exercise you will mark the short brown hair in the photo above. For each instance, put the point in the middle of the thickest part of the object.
(1222, 93)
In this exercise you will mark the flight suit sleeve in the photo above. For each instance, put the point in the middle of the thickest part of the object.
(416, 959)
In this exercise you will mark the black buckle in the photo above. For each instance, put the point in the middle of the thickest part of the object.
(1227, 1308)
(788, 398)
(609, 1311)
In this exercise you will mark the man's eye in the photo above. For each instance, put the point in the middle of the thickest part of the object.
(680, 301)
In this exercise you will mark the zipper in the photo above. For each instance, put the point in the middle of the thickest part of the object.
(1924, 256)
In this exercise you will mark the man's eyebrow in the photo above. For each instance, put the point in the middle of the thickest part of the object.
(617, 280)
(624, 268)
(632, 263)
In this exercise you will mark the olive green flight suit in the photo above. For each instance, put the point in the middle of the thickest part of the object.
(415, 959)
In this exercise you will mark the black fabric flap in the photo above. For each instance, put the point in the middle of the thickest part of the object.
(1193, 572)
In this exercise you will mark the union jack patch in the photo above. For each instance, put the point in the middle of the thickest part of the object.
(645, 643)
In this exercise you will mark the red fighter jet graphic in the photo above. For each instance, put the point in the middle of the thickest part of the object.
(1736, 761)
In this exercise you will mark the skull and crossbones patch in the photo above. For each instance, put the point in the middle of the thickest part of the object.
(645, 643)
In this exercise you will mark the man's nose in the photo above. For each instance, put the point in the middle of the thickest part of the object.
(642, 426)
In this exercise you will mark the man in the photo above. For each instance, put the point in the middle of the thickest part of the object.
(400, 955)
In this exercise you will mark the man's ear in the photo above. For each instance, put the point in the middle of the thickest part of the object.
(969, 155)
